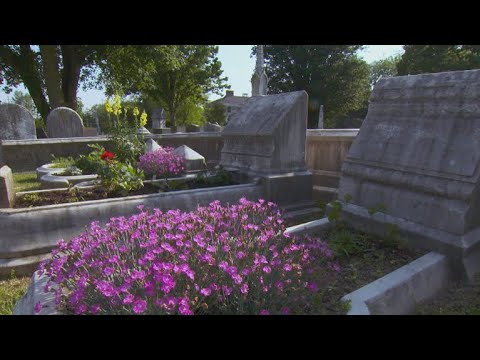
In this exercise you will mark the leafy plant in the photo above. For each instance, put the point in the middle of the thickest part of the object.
(62, 162)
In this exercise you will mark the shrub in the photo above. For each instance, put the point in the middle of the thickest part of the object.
(162, 163)
(215, 260)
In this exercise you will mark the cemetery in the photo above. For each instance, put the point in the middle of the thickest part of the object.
(260, 216)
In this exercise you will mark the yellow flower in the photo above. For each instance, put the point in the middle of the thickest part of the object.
(143, 119)
(135, 111)
(108, 106)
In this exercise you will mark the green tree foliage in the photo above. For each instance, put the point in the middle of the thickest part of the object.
(419, 59)
(195, 72)
(25, 100)
(52, 73)
(216, 113)
(383, 68)
(189, 113)
(332, 75)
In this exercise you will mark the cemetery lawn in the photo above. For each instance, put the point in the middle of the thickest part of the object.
(26, 181)
(462, 299)
(11, 291)
(363, 258)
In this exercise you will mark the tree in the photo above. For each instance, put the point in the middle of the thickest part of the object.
(419, 59)
(216, 113)
(383, 68)
(25, 100)
(332, 75)
(52, 73)
(195, 72)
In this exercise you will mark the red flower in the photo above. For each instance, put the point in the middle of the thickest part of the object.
(107, 155)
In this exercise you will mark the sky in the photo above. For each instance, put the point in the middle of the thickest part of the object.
(238, 66)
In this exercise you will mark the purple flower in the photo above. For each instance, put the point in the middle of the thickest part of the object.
(38, 307)
(312, 287)
(285, 311)
(139, 306)
(206, 292)
(267, 269)
(244, 288)
(264, 312)
(128, 299)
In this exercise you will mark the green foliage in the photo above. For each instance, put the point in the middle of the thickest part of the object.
(216, 113)
(115, 176)
(380, 208)
(222, 177)
(189, 112)
(62, 162)
(383, 68)
(196, 72)
(71, 171)
(419, 59)
(344, 242)
(11, 290)
(335, 211)
(332, 75)
(25, 100)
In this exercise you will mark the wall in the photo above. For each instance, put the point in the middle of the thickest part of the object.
(325, 151)
(27, 155)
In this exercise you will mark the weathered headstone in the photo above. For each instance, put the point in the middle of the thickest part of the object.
(209, 127)
(7, 192)
(16, 123)
(417, 159)
(266, 137)
(194, 162)
(158, 118)
(63, 122)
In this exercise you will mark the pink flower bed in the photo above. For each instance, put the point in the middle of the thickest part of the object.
(215, 260)
(162, 163)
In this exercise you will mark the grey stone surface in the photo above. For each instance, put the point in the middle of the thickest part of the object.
(35, 293)
(158, 118)
(143, 131)
(259, 78)
(7, 192)
(320, 118)
(310, 227)
(417, 155)
(33, 231)
(193, 160)
(209, 127)
(267, 135)
(63, 122)
(400, 291)
(16, 123)
(151, 145)
(47, 169)
(53, 181)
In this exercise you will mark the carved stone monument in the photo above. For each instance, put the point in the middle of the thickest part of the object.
(63, 122)
(417, 158)
(16, 123)
(266, 138)
(259, 78)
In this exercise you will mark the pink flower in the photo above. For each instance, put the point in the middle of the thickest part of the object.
(139, 306)
(128, 299)
(206, 292)
(264, 312)
(244, 288)
(38, 307)
(285, 311)
(267, 269)
(312, 287)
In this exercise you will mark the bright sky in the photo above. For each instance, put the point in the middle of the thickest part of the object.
(238, 66)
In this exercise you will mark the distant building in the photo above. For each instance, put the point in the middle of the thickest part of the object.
(231, 102)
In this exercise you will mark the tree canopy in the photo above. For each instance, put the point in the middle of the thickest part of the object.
(332, 75)
(383, 68)
(419, 59)
(195, 72)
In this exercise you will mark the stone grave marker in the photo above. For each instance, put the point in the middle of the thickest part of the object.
(16, 123)
(63, 122)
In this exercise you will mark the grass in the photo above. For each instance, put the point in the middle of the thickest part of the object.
(462, 299)
(26, 181)
(11, 291)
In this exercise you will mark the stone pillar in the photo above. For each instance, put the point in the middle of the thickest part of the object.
(7, 192)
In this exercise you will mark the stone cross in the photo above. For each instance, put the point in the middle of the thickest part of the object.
(259, 78)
